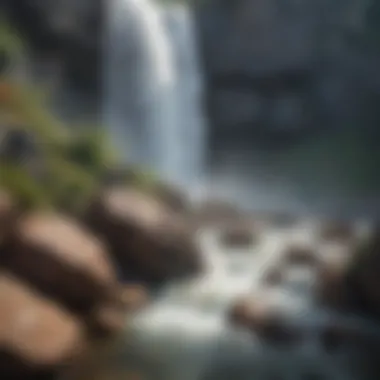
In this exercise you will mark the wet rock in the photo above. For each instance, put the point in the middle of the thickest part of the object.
(334, 336)
(338, 334)
(265, 321)
(238, 235)
(274, 277)
(60, 258)
(337, 231)
(147, 240)
(332, 290)
(35, 334)
(282, 219)
(298, 254)
(364, 279)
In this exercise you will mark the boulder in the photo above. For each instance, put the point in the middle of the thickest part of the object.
(265, 321)
(61, 259)
(36, 335)
(147, 240)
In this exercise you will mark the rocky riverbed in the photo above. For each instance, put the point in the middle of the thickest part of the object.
(191, 294)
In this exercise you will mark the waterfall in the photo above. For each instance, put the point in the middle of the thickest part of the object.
(153, 89)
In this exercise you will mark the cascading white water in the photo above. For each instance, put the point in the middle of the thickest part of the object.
(185, 335)
(153, 87)
(189, 95)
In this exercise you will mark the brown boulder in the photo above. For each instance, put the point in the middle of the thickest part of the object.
(146, 238)
(35, 334)
(61, 259)
(264, 320)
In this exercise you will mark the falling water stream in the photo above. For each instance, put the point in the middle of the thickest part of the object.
(153, 107)
(154, 89)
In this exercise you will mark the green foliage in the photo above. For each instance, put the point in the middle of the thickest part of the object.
(24, 189)
(89, 148)
(69, 185)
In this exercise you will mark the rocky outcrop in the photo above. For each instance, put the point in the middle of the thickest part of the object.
(59, 293)
(147, 240)
(281, 72)
(67, 36)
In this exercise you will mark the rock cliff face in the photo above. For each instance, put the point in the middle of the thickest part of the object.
(283, 68)
(65, 42)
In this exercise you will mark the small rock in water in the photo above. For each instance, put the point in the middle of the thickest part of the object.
(274, 277)
(300, 255)
(331, 283)
(238, 235)
(364, 276)
(337, 231)
(265, 321)
(283, 220)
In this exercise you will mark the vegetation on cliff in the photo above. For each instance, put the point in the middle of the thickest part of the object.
(45, 163)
